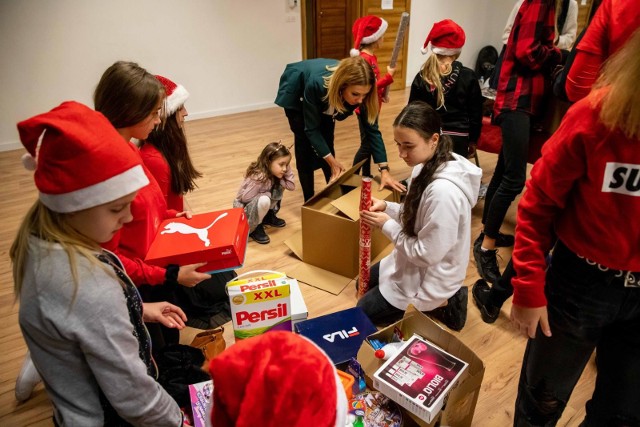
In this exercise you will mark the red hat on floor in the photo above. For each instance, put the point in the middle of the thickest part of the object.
(177, 95)
(79, 158)
(446, 38)
(273, 380)
(367, 30)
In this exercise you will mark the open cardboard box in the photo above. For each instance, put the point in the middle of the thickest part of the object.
(460, 406)
(328, 244)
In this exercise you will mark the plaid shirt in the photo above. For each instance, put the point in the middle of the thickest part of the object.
(529, 54)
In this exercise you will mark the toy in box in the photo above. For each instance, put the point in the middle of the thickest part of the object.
(217, 238)
(201, 395)
(419, 377)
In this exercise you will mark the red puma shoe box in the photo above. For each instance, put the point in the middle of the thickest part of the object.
(218, 238)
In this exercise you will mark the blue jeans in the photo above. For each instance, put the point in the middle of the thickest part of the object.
(588, 310)
(511, 170)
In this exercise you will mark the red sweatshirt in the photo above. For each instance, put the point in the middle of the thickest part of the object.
(381, 83)
(158, 166)
(585, 189)
(132, 242)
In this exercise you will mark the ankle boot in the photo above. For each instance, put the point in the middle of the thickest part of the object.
(271, 219)
(259, 235)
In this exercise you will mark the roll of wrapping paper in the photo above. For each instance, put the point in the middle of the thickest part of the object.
(365, 239)
(402, 28)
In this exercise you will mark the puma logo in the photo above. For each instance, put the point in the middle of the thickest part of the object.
(182, 228)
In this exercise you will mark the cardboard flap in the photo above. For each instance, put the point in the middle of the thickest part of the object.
(349, 204)
(319, 278)
(295, 244)
(341, 179)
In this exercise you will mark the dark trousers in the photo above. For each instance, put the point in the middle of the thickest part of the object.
(364, 152)
(307, 160)
(511, 170)
(588, 310)
(460, 145)
(502, 289)
(374, 305)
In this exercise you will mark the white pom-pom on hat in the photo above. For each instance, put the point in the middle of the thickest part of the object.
(28, 162)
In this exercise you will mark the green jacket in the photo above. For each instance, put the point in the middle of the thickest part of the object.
(302, 89)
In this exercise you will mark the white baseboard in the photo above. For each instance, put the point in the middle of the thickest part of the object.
(14, 145)
(10, 145)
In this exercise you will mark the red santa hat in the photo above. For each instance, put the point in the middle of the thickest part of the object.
(176, 95)
(367, 30)
(446, 38)
(80, 160)
(273, 380)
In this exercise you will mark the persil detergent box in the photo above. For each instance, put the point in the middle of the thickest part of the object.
(259, 305)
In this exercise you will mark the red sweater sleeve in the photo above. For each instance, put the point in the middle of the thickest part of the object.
(138, 271)
(553, 176)
(583, 74)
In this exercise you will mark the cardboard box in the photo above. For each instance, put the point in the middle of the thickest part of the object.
(419, 377)
(330, 232)
(218, 238)
(339, 334)
(201, 395)
(460, 405)
(259, 306)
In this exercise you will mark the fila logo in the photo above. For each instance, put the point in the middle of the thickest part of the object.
(622, 178)
(331, 337)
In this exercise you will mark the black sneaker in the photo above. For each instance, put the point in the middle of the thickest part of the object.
(486, 262)
(454, 314)
(271, 219)
(259, 235)
(502, 241)
(481, 292)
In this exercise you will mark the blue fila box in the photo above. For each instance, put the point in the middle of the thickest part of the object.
(339, 334)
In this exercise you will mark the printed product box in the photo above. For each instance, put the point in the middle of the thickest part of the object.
(339, 334)
(218, 238)
(419, 377)
(259, 306)
(330, 232)
(201, 395)
(460, 405)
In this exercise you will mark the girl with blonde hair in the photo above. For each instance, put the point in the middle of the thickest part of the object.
(589, 299)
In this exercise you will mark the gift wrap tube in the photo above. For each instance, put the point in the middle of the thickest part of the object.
(365, 239)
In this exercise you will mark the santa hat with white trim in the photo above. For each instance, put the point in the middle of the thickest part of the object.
(276, 379)
(366, 30)
(80, 160)
(177, 95)
(446, 38)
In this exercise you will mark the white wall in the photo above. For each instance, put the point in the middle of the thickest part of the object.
(228, 53)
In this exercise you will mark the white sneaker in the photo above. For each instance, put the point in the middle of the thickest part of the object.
(27, 379)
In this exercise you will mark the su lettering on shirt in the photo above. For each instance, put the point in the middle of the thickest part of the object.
(622, 178)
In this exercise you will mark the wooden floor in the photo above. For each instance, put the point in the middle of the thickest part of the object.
(222, 148)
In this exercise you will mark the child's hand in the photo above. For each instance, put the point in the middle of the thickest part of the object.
(189, 277)
(167, 314)
(186, 214)
(377, 205)
(374, 219)
(391, 70)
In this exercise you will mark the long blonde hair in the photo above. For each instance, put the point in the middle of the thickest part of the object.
(52, 227)
(352, 71)
(431, 74)
(620, 107)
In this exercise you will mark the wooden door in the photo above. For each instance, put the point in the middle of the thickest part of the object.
(373, 7)
(330, 22)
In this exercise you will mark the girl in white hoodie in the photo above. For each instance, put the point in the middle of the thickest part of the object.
(430, 230)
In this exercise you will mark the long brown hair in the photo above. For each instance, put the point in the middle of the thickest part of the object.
(420, 117)
(352, 71)
(261, 168)
(619, 80)
(127, 94)
(169, 138)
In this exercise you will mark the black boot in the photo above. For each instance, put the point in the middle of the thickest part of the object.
(481, 293)
(259, 235)
(486, 262)
(271, 219)
(454, 314)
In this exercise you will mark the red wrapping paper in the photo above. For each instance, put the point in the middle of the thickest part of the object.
(365, 239)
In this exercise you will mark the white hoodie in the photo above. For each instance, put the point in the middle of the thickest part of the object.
(427, 269)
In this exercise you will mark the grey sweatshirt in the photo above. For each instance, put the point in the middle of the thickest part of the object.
(84, 345)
